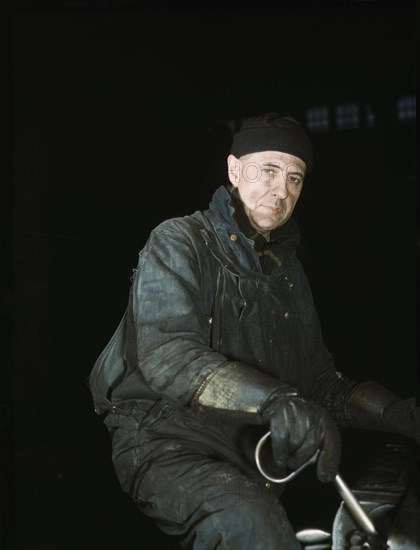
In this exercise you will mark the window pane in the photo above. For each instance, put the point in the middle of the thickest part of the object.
(406, 108)
(347, 116)
(318, 119)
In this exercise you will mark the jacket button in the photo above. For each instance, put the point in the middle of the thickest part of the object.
(234, 237)
(286, 315)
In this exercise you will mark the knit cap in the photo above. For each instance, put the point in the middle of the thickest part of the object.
(272, 132)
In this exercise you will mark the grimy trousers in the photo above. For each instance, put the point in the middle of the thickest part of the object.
(191, 479)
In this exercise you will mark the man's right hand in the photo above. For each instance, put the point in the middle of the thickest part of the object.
(298, 428)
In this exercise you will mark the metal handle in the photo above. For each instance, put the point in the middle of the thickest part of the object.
(288, 478)
(357, 512)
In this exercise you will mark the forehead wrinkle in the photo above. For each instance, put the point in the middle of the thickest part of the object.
(273, 156)
(276, 160)
(269, 164)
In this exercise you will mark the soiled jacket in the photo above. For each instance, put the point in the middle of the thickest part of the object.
(199, 298)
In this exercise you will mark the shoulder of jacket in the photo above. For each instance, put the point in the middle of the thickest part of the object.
(185, 224)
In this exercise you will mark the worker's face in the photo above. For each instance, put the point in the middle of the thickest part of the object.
(269, 184)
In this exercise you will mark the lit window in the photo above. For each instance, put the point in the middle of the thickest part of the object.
(347, 116)
(318, 119)
(406, 108)
(370, 116)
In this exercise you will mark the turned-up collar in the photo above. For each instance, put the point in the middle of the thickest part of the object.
(229, 218)
(227, 205)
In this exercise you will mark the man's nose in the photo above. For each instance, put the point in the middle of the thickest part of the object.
(280, 188)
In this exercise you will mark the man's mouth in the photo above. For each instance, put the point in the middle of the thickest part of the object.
(272, 208)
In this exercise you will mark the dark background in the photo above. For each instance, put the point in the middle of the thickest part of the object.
(122, 117)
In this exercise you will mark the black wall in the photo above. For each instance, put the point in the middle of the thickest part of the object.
(120, 121)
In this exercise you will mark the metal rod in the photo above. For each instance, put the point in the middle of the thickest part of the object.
(357, 512)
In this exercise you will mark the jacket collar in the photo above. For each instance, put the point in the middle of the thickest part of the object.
(228, 214)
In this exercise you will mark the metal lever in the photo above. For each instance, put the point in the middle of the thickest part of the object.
(288, 478)
(357, 512)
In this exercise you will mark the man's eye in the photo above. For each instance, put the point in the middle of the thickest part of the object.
(269, 172)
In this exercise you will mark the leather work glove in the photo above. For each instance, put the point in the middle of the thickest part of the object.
(371, 406)
(298, 428)
(403, 417)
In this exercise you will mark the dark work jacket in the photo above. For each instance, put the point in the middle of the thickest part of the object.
(198, 298)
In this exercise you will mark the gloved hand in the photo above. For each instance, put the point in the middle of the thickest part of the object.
(371, 406)
(403, 417)
(298, 428)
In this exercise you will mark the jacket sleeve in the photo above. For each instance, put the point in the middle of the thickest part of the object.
(171, 325)
(330, 388)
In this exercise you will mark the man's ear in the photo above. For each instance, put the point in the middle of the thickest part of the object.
(234, 170)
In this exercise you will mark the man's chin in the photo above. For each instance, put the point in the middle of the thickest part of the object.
(266, 226)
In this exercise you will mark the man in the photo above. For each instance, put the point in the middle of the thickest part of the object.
(220, 343)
